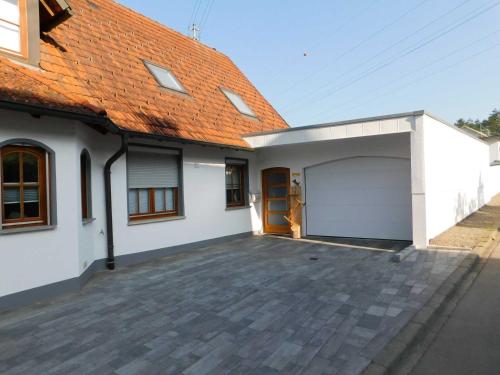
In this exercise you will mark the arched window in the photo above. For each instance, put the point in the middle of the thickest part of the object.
(85, 173)
(23, 186)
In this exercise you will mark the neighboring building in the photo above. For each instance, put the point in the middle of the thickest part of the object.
(122, 140)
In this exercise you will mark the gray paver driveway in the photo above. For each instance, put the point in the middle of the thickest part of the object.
(250, 306)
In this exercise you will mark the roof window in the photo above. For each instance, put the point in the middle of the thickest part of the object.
(164, 77)
(238, 102)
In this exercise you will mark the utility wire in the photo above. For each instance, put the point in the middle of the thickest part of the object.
(355, 47)
(420, 79)
(442, 58)
(205, 15)
(194, 13)
(408, 52)
(312, 94)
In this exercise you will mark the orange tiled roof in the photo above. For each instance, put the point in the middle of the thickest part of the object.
(94, 61)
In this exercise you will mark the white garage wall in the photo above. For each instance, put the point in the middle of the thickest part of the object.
(458, 175)
(33, 259)
(300, 156)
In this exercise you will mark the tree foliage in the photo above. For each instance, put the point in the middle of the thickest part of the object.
(490, 125)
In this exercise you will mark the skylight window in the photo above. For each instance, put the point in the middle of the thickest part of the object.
(164, 77)
(240, 105)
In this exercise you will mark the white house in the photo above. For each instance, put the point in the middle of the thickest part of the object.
(122, 140)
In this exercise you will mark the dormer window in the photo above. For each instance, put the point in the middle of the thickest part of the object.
(238, 102)
(21, 22)
(164, 77)
(13, 26)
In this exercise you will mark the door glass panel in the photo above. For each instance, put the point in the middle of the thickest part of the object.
(276, 178)
(30, 168)
(12, 204)
(276, 219)
(132, 201)
(277, 192)
(143, 201)
(10, 167)
(281, 205)
(159, 200)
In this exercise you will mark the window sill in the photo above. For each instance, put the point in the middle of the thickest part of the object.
(27, 229)
(235, 208)
(88, 221)
(159, 220)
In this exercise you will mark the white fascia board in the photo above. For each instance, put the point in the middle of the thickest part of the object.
(331, 132)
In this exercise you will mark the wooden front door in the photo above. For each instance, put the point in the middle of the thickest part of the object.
(276, 199)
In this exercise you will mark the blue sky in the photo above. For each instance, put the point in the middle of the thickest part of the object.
(363, 58)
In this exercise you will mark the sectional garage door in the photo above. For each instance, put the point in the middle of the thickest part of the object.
(364, 197)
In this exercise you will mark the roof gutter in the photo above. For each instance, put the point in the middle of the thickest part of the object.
(106, 123)
(165, 138)
(36, 110)
(110, 260)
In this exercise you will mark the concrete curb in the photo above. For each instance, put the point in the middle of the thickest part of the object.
(390, 356)
(403, 254)
(422, 321)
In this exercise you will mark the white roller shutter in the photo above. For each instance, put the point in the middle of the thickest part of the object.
(152, 168)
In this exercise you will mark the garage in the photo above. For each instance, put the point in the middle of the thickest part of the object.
(363, 197)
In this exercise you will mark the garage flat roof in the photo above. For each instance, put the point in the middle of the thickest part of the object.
(345, 122)
(368, 126)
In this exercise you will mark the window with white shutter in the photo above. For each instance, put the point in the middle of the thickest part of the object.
(153, 182)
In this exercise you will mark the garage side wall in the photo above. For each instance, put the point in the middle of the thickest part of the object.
(458, 176)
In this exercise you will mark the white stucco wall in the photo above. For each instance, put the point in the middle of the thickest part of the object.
(297, 157)
(38, 258)
(35, 259)
(458, 175)
(206, 216)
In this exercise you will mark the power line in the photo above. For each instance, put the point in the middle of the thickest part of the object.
(427, 64)
(419, 79)
(206, 14)
(355, 47)
(408, 52)
(194, 13)
(314, 93)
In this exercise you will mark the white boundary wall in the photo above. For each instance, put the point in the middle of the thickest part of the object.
(458, 176)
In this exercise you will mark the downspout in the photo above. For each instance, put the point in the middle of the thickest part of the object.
(110, 261)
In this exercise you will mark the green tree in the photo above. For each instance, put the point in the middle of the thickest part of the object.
(490, 125)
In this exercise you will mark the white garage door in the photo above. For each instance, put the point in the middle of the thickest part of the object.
(365, 197)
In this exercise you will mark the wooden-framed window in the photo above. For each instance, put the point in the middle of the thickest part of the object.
(24, 186)
(153, 183)
(13, 27)
(236, 182)
(85, 185)
(152, 203)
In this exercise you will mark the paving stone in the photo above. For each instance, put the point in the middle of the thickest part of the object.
(376, 310)
(248, 306)
(370, 321)
(393, 311)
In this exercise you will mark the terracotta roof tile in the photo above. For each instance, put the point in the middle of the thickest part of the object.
(95, 60)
